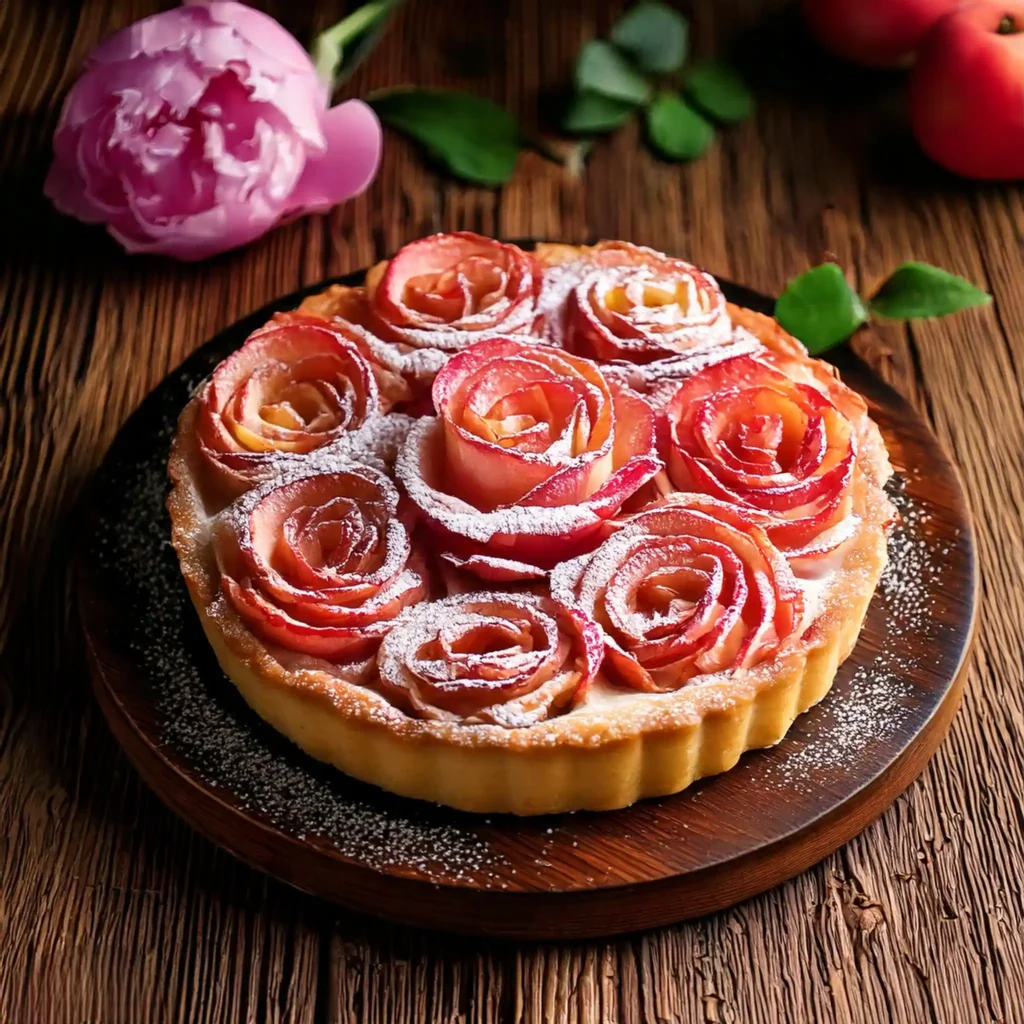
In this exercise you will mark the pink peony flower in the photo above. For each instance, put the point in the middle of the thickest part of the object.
(196, 130)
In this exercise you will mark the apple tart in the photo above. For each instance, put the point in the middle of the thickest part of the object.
(528, 532)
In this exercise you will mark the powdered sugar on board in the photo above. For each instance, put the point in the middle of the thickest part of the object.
(873, 704)
(203, 719)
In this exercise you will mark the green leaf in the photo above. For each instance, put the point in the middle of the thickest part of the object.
(719, 90)
(654, 35)
(675, 129)
(919, 289)
(820, 308)
(602, 69)
(472, 137)
(339, 50)
(590, 112)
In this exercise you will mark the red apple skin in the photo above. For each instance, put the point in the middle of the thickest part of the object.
(967, 91)
(874, 33)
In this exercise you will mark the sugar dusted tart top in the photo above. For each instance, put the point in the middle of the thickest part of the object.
(483, 528)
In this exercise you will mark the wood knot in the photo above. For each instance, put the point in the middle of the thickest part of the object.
(862, 913)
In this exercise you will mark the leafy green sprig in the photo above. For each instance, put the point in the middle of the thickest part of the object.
(470, 136)
(821, 309)
(642, 67)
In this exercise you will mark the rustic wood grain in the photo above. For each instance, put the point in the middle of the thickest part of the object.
(112, 911)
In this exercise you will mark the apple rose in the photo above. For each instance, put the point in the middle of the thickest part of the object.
(746, 433)
(689, 588)
(789, 355)
(502, 659)
(391, 386)
(319, 565)
(295, 386)
(626, 302)
(448, 291)
(434, 297)
(531, 452)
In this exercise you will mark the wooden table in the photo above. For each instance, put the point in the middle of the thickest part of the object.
(113, 911)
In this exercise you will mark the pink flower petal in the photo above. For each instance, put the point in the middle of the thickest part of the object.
(65, 189)
(259, 29)
(151, 35)
(353, 154)
(196, 130)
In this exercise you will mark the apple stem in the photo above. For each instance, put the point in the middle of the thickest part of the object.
(1007, 26)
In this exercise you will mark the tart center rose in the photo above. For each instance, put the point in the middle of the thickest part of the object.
(296, 385)
(746, 433)
(320, 565)
(503, 659)
(689, 588)
(531, 452)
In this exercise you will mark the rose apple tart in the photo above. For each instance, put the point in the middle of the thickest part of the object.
(528, 531)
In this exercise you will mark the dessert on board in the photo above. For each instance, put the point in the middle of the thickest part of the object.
(528, 532)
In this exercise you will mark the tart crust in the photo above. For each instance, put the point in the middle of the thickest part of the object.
(605, 754)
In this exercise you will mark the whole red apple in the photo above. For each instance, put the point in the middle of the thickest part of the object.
(967, 91)
(876, 33)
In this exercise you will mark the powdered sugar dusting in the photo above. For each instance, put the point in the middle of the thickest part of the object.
(558, 282)
(908, 580)
(875, 703)
(659, 380)
(420, 363)
(375, 444)
(871, 707)
(203, 720)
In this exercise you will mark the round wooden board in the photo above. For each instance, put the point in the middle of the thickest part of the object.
(211, 760)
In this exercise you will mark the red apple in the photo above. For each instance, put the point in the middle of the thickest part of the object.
(967, 91)
(876, 33)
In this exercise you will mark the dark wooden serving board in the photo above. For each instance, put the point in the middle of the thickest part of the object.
(224, 771)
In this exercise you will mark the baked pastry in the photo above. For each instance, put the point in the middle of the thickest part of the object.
(528, 532)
